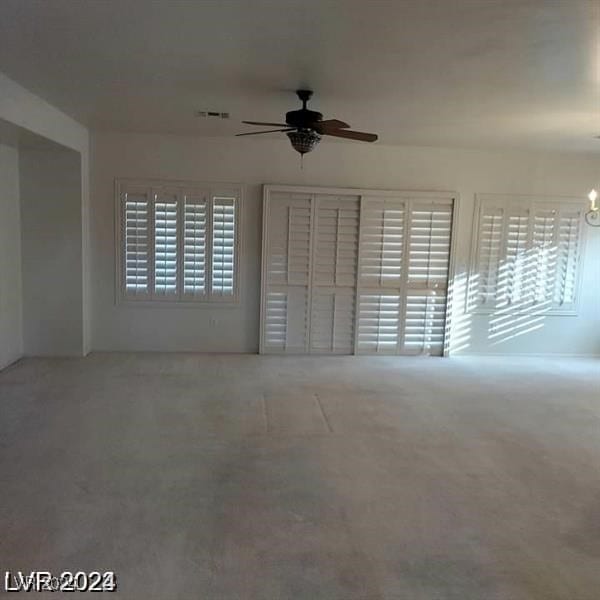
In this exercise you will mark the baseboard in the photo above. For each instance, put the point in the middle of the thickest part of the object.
(11, 361)
(522, 355)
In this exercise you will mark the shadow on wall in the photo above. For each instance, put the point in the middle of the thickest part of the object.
(459, 323)
(530, 285)
(516, 297)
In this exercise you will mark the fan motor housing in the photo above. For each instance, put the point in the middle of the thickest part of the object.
(303, 118)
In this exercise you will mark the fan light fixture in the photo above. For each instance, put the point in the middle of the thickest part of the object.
(304, 140)
(592, 216)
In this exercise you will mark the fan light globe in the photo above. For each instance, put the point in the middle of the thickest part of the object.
(304, 140)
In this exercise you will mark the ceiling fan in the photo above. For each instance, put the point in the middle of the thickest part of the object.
(305, 127)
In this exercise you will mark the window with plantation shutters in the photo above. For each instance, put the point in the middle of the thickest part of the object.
(177, 242)
(526, 255)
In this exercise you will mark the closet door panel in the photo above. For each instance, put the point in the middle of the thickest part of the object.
(335, 258)
(426, 290)
(288, 222)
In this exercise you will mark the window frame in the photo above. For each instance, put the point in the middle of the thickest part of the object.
(529, 203)
(181, 188)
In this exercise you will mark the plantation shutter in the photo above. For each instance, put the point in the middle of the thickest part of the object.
(378, 322)
(334, 274)
(223, 246)
(136, 243)
(288, 220)
(555, 250)
(381, 268)
(165, 245)
(195, 221)
(567, 257)
(515, 275)
(429, 237)
(527, 255)
(488, 280)
(177, 242)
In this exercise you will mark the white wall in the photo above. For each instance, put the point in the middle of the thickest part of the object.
(254, 161)
(11, 335)
(25, 110)
(51, 239)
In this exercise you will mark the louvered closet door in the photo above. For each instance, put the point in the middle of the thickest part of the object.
(333, 291)
(426, 291)
(287, 227)
(381, 271)
(403, 275)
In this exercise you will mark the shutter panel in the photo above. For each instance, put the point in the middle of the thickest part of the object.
(567, 258)
(424, 323)
(287, 264)
(334, 274)
(286, 326)
(136, 217)
(332, 321)
(382, 242)
(223, 246)
(194, 246)
(515, 278)
(489, 257)
(541, 266)
(165, 245)
(430, 231)
(381, 271)
(556, 240)
(379, 323)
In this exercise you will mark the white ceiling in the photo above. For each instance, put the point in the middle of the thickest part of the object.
(512, 73)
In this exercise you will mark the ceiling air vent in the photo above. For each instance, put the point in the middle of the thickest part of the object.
(212, 113)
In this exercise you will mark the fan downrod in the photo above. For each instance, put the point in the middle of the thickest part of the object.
(305, 96)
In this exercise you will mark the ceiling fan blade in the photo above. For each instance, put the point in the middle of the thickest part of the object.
(351, 135)
(267, 131)
(266, 124)
(333, 124)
